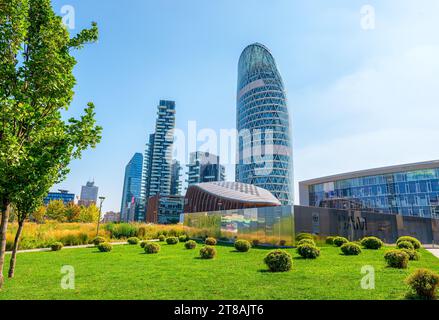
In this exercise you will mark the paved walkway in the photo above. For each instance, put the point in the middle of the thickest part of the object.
(435, 252)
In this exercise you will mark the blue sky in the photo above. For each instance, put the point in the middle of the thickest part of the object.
(358, 98)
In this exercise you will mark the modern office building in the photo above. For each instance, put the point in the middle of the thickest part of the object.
(213, 196)
(89, 194)
(164, 209)
(263, 123)
(204, 167)
(175, 178)
(131, 194)
(408, 190)
(63, 195)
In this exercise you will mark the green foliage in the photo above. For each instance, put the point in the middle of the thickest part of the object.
(306, 241)
(210, 241)
(303, 235)
(151, 248)
(329, 240)
(133, 240)
(162, 238)
(278, 261)
(424, 283)
(172, 240)
(143, 244)
(373, 243)
(255, 242)
(339, 241)
(183, 238)
(405, 245)
(207, 252)
(88, 214)
(56, 210)
(397, 259)
(190, 244)
(98, 240)
(242, 245)
(308, 251)
(105, 247)
(413, 254)
(416, 243)
(122, 230)
(350, 249)
(56, 246)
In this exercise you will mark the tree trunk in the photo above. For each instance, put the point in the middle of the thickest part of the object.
(15, 249)
(6, 208)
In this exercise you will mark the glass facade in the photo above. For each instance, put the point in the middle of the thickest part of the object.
(64, 196)
(262, 111)
(411, 193)
(270, 225)
(130, 210)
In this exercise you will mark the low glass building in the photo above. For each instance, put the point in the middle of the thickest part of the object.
(409, 190)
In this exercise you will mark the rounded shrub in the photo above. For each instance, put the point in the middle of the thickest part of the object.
(172, 240)
(308, 251)
(415, 242)
(162, 237)
(207, 252)
(210, 241)
(304, 235)
(105, 247)
(397, 259)
(56, 246)
(339, 241)
(143, 244)
(133, 240)
(306, 241)
(373, 243)
(413, 254)
(98, 240)
(350, 249)
(183, 238)
(191, 244)
(242, 245)
(329, 240)
(151, 248)
(424, 283)
(405, 245)
(278, 261)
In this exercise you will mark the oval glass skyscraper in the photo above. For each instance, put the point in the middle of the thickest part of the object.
(263, 123)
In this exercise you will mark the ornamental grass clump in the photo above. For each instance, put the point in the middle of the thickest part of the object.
(207, 252)
(133, 240)
(98, 240)
(372, 243)
(191, 244)
(105, 247)
(350, 249)
(210, 241)
(242, 245)
(339, 241)
(172, 240)
(413, 254)
(397, 259)
(306, 241)
(152, 248)
(405, 245)
(56, 246)
(308, 251)
(415, 242)
(278, 261)
(424, 283)
(329, 240)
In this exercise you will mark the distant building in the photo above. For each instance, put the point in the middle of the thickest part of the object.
(111, 217)
(175, 178)
(204, 167)
(63, 195)
(89, 194)
(130, 206)
(164, 209)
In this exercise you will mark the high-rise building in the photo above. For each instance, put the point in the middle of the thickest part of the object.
(175, 178)
(129, 209)
(263, 123)
(157, 163)
(204, 167)
(89, 194)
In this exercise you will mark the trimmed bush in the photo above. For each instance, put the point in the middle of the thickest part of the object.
(191, 244)
(415, 242)
(405, 245)
(143, 244)
(207, 252)
(151, 248)
(413, 254)
(339, 241)
(278, 261)
(304, 235)
(373, 243)
(306, 241)
(350, 249)
(308, 251)
(162, 238)
(210, 241)
(424, 282)
(242, 245)
(329, 240)
(397, 259)
(98, 240)
(105, 247)
(133, 240)
(183, 238)
(56, 246)
(172, 240)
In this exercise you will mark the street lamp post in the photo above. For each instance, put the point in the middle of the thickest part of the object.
(100, 212)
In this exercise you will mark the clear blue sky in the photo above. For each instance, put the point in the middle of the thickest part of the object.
(359, 98)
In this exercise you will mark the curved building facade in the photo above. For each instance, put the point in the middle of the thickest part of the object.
(217, 196)
(263, 123)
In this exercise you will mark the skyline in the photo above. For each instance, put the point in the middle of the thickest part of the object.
(348, 88)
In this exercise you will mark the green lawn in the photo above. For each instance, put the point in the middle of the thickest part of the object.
(177, 273)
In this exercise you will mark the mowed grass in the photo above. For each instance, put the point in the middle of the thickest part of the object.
(177, 273)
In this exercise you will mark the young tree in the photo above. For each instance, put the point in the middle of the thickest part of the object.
(72, 212)
(36, 85)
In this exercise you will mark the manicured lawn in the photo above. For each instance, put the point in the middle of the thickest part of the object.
(177, 273)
